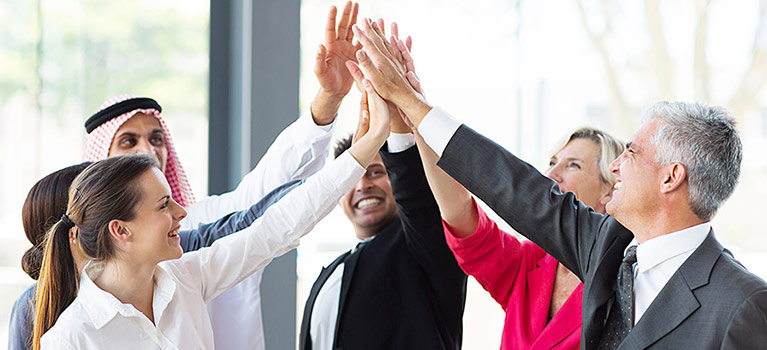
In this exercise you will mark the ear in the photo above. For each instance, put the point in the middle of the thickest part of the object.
(674, 175)
(118, 230)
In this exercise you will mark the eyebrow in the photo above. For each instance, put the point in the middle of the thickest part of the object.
(130, 133)
(165, 197)
(375, 165)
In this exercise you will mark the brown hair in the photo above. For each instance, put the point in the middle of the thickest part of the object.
(106, 190)
(45, 203)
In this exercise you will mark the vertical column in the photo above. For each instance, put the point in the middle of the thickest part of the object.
(253, 91)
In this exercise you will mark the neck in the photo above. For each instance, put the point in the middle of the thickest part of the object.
(664, 223)
(130, 284)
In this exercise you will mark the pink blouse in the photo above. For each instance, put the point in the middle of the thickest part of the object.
(519, 276)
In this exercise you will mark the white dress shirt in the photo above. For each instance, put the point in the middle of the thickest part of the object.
(658, 259)
(97, 320)
(298, 152)
(322, 325)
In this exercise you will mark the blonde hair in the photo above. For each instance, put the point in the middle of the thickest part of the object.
(610, 148)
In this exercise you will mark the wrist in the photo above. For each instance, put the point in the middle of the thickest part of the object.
(325, 106)
(416, 108)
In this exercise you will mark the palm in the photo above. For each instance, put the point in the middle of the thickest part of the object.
(336, 78)
(330, 67)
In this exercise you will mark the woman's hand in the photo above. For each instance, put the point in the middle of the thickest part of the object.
(373, 127)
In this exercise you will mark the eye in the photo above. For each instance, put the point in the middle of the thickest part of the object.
(552, 163)
(165, 204)
(128, 142)
(157, 139)
(574, 165)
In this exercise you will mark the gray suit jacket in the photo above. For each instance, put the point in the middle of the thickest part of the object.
(711, 302)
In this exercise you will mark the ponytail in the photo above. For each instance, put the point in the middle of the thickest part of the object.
(58, 281)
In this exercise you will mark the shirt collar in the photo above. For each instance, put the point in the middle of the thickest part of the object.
(102, 306)
(659, 249)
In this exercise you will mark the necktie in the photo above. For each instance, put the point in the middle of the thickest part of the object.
(621, 317)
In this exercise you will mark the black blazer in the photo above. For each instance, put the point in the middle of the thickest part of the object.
(404, 289)
(711, 302)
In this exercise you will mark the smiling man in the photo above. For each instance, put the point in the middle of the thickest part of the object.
(400, 287)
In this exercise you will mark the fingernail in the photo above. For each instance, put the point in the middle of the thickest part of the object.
(361, 55)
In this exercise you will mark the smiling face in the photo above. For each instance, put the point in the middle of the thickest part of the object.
(370, 204)
(154, 229)
(636, 193)
(141, 134)
(576, 169)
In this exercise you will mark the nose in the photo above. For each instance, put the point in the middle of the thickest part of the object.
(554, 173)
(363, 185)
(615, 165)
(179, 213)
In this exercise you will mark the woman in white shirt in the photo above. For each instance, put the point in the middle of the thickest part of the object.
(136, 293)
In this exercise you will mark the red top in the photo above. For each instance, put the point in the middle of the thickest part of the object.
(519, 276)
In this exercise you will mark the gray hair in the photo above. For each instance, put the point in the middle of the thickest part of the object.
(703, 139)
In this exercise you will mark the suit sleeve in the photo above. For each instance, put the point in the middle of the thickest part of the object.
(530, 202)
(205, 234)
(748, 328)
(419, 213)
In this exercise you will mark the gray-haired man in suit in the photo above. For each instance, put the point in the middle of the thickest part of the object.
(670, 284)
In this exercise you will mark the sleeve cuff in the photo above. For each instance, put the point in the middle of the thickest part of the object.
(437, 128)
(307, 119)
(400, 142)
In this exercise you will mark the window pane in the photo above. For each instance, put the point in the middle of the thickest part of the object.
(61, 60)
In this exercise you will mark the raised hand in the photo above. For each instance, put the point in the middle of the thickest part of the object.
(379, 64)
(335, 81)
(373, 127)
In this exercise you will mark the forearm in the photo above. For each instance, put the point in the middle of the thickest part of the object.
(325, 106)
(454, 200)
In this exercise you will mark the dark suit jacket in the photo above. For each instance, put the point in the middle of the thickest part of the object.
(404, 289)
(711, 302)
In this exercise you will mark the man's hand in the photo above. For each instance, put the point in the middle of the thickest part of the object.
(377, 62)
(335, 81)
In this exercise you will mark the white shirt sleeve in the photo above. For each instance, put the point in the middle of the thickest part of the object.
(437, 128)
(400, 142)
(298, 152)
(235, 257)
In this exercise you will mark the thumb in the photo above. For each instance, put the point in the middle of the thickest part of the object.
(320, 65)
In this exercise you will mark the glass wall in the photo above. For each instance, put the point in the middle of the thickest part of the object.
(58, 61)
(525, 73)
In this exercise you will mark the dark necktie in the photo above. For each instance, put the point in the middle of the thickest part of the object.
(621, 317)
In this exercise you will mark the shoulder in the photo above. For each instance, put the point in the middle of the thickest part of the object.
(70, 329)
(731, 275)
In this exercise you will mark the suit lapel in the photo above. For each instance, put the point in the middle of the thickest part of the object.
(676, 295)
(349, 266)
(601, 292)
(304, 341)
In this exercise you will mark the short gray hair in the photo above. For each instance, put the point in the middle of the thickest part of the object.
(704, 139)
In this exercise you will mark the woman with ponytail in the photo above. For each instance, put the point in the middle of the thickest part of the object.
(45, 203)
(138, 291)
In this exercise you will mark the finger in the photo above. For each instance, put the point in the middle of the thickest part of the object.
(353, 21)
(409, 43)
(380, 27)
(406, 58)
(395, 30)
(320, 65)
(373, 38)
(343, 23)
(396, 51)
(356, 73)
(364, 122)
(414, 82)
(330, 26)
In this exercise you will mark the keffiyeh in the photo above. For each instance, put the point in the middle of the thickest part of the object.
(99, 140)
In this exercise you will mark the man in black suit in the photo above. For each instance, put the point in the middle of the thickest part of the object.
(400, 287)
(678, 289)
